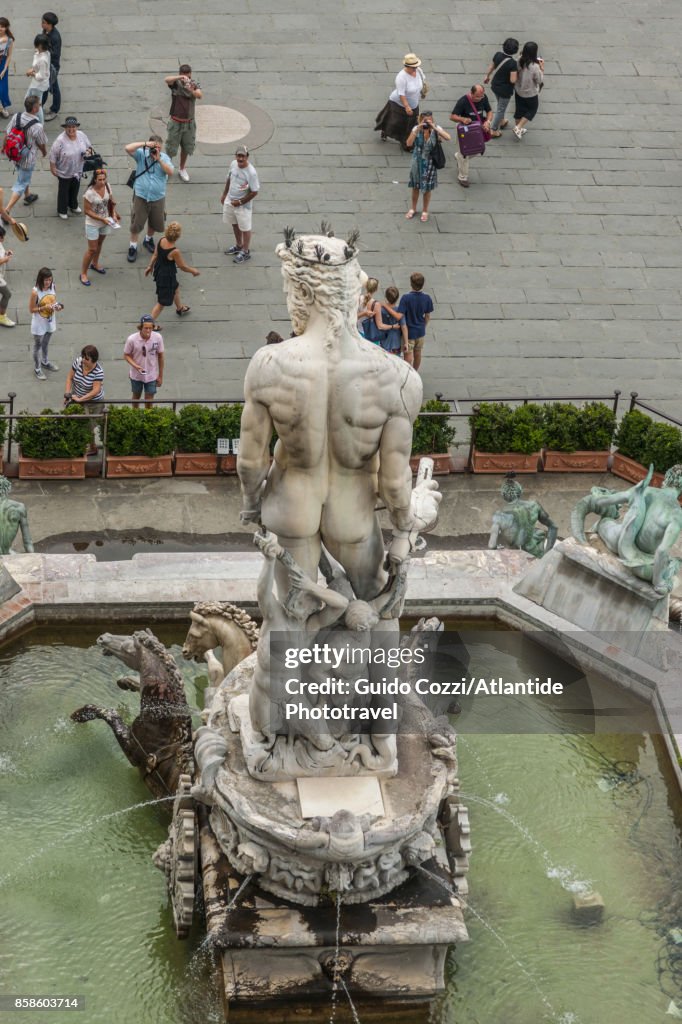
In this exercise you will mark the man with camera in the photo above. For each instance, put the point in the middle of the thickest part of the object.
(152, 170)
(182, 129)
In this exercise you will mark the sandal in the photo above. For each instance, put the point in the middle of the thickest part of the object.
(98, 270)
(410, 214)
(183, 310)
(424, 217)
(504, 124)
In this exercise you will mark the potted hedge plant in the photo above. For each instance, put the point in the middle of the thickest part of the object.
(432, 436)
(506, 439)
(640, 442)
(52, 445)
(140, 442)
(196, 441)
(577, 440)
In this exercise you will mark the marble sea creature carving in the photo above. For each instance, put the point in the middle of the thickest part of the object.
(643, 539)
(159, 742)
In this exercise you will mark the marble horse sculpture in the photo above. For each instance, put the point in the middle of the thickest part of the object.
(159, 742)
(643, 539)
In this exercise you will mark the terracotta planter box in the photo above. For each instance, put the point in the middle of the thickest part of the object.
(139, 465)
(204, 464)
(51, 469)
(491, 462)
(575, 462)
(442, 464)
(633, 471)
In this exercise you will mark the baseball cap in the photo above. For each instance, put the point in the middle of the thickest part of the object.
(146, 319)
(241, 151)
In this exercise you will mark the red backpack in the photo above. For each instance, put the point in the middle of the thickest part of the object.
(15, 140)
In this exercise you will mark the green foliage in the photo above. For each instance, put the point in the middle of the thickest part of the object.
(432, 435)
(149, 432)
(663, 446)
(646, 441)
(499, 428)
(631, 435)
(494, 426)
(196, 429)
(228, 420)
(60, 437)
(3, 428)
(569, 428)
(562, 427)
(527, 429)
(597, 425)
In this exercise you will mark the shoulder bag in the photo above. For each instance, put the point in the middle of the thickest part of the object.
(438, 153)
(497, 69)
(134, 176)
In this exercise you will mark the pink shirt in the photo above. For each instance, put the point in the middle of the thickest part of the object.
(145, 354)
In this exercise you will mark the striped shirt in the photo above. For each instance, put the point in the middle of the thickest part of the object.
(82, 382)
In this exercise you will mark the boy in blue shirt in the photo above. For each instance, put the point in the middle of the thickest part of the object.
(417, 307)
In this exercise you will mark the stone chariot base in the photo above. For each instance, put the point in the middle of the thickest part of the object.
(388, 955)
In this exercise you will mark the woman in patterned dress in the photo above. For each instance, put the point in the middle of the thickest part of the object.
(423, 171)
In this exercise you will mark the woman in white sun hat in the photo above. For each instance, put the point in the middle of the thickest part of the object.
(399, 116)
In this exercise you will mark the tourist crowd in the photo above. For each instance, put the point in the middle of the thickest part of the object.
(396, 323)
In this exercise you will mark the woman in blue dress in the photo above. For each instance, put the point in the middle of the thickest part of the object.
(6, 44)
(423, 171)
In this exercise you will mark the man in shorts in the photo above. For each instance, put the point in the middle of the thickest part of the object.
(153, 168)
(36, 140)
(182, 129)
(417, 307)
(144, 354)
(241, 188)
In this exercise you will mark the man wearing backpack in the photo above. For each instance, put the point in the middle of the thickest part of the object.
(25, 136)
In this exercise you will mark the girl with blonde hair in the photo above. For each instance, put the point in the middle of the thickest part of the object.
(164, 265)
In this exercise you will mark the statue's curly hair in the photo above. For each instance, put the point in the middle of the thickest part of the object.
(332, 287)
(673, 477)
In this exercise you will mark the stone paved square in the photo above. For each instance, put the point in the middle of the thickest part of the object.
(557, 272)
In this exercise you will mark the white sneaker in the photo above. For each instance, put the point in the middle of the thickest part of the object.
(75, 209)
(64, 216)
(5, 321)
(183, 175)
(50, 366)
(39, 373)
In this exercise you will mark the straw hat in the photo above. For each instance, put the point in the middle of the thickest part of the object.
(411, 60)
(20, 230)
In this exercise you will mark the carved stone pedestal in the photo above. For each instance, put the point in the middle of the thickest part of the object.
(595, 592)
(388, 953)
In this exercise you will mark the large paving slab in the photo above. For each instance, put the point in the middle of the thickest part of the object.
(557, 272)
